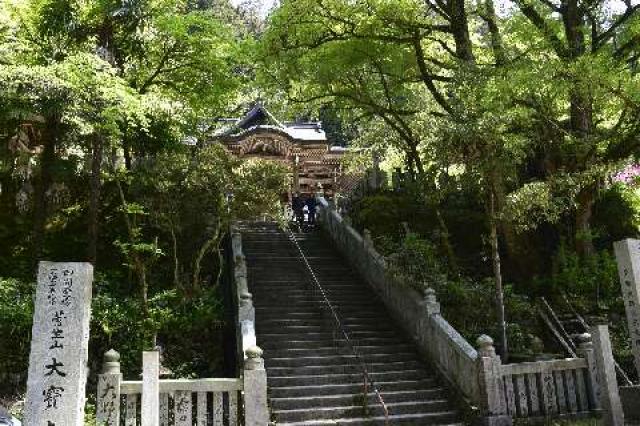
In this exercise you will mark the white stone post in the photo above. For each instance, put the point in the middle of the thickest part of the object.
(628, 257)
(367, 239)
(59, 345)
(609, 396)
(150, 388)
(255, 389)
(585, 350)
(376, 184)
(493, 403)
(431, 303)
(108, 398)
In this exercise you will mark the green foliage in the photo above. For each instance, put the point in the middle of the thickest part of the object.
(617, 214)
(16, 311)
(382, 214)
(592, 281)
(418, 260)
(466, 302)
(119, 323)
(96, 99)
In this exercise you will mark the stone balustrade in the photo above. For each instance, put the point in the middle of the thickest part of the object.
(253, 375)
(244, 299)
(420, 317)
(557, 388)
(153, 402)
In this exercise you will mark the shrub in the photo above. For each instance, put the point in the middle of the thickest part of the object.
(16, 312)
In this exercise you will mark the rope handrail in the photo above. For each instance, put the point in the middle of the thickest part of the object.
(367, 378)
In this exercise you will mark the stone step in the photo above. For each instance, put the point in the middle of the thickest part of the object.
(268, 344)
(400, 350)
(314, 378)
(324, 336)
(297, 272)
(318, 319)
(292, 259)
(308, 288)
(349, 399)
(264, 314)
(325, 379)
(335, 359)
(310, 390)
(275, 301)
(305, 287)
(341, 368)
(284, 300)
(285, 311)
(419, 419)
(285, 282)
(327, 326)
(407, 407)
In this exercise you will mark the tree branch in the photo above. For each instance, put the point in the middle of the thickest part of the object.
(426, 76)
(539, 22)
(628, 14)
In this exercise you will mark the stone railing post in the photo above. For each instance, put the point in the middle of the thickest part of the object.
(367, 239)
(376, 184)
(108, 398)
(246, 310)
(493, 403)
(585, 350)
(255, 389)
(247, 319)
(609, 396)
(431, 304)
(150, 388)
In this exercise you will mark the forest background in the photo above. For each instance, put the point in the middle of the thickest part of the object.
(517, 128)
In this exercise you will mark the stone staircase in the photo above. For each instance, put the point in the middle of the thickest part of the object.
(313, 378)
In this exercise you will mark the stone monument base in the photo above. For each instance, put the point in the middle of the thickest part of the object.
(630, 397)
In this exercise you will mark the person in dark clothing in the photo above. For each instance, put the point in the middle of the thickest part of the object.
(297, 204)
(312, 205)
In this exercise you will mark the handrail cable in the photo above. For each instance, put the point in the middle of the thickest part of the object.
(367, 378)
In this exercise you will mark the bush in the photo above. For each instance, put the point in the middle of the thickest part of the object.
(468, 304)
(616, 214)
(187, 329)
(418, 260)
(16, 312)
(591, 282)
(382, 214)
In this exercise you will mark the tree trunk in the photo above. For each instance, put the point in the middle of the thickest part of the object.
(460, 30)
(176, 262)
(452, 260)
(43, 183)
(126, 149)
(496, 39)
(497, 274)
(584, 211)
(94, 197)
(581, 112)
(197, 264)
